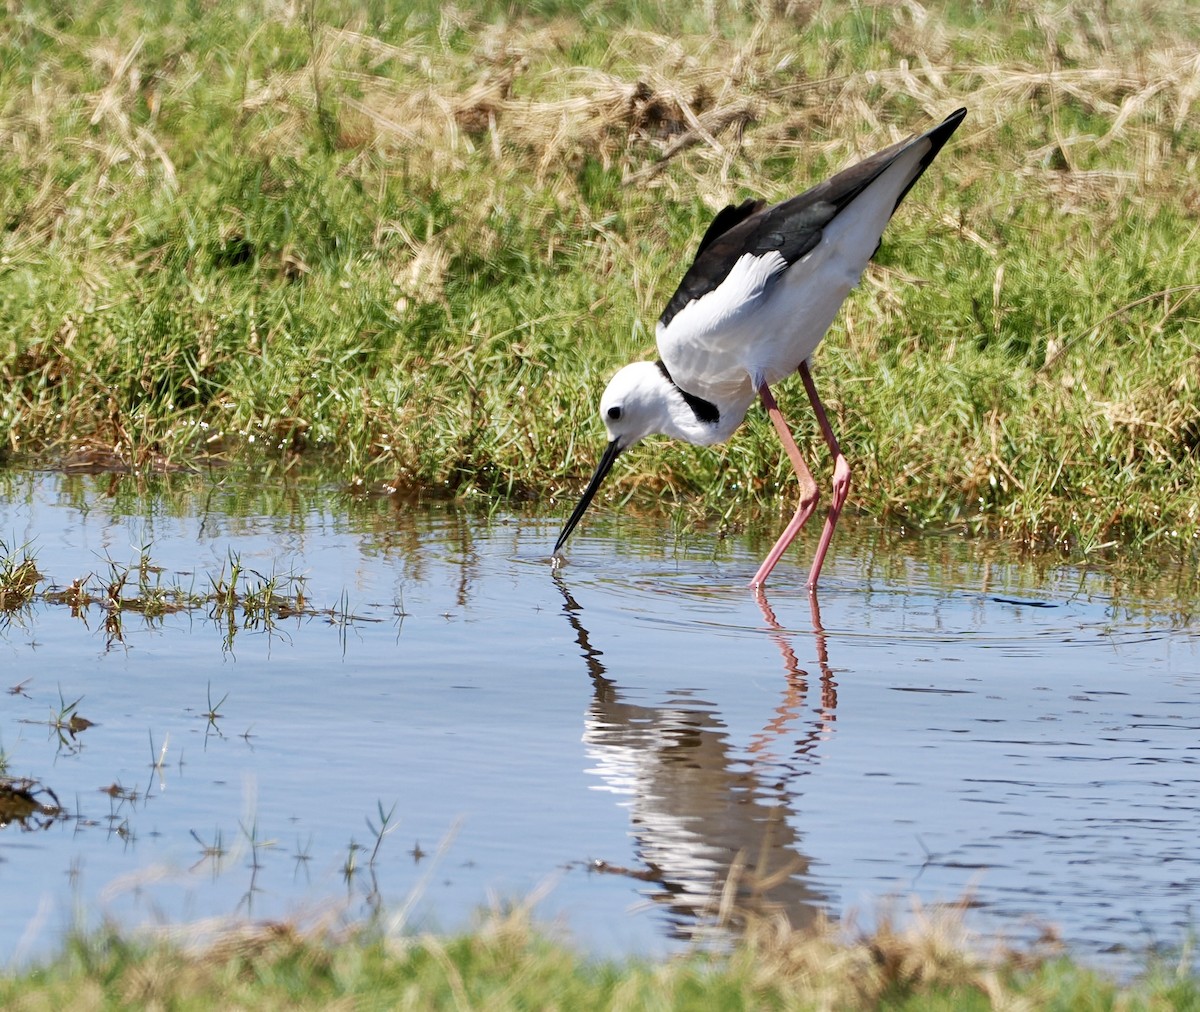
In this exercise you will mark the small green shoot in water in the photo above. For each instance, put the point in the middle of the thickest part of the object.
(350, 865)
(214, 852)
(67, 719)
(383, 830)
(213, 713)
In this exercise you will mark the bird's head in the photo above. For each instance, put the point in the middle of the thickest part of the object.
(635, 404)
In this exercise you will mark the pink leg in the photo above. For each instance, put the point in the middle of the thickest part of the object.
(841, 476)
(809, 493)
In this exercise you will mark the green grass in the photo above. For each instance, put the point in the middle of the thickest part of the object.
(413, 244)
(505, 964)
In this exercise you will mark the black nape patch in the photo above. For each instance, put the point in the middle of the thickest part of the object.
(705, 411)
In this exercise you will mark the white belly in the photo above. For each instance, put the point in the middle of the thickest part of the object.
(769, 337)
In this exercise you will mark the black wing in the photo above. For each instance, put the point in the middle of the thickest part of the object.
(726, 218)
(794, 226)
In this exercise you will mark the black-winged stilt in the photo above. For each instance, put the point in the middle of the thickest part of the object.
(764, 287)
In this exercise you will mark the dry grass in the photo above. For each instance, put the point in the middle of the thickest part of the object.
(655, 98)
(443, 98)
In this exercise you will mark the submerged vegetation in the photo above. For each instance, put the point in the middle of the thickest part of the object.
(237, 598)
(416, 241)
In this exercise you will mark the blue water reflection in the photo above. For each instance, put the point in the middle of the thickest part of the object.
(635, 739)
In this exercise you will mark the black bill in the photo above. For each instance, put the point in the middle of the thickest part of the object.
(611, 452)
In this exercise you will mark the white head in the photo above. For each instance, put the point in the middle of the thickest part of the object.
(637, 403)
(640, 401)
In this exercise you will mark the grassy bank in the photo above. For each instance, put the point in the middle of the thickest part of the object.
(416, 242)
(506, 965)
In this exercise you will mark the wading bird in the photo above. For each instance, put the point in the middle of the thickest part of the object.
(764, 287)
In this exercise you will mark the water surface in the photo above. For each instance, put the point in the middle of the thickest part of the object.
(609, 739)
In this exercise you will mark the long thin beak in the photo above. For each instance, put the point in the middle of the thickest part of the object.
(611, 452)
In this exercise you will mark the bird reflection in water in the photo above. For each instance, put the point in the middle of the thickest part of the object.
(714, 826)
(767, 741)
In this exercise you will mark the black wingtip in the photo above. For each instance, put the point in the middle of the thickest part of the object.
(937, 137)
(947, 126)
(941, 133)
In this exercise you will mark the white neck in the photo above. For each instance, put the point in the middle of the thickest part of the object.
(640, 400)
(682, 422)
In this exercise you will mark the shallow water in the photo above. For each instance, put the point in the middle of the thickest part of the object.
(606, 739)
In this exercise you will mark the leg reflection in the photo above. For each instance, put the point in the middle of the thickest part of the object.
(714, 834)
(769, 742)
